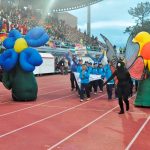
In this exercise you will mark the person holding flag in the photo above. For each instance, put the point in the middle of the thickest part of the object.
(84, 77)
(75, 66)
(98, 58)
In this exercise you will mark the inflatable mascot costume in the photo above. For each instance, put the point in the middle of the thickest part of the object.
(18, 62)
(142, 98)
(137, 60)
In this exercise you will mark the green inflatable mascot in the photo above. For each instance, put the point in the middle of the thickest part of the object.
(143, 93)
(18, 62)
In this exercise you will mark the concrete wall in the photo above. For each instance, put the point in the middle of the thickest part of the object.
(68, 18)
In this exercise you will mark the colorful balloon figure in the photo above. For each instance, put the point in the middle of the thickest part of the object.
(142, 99)
(18, 62)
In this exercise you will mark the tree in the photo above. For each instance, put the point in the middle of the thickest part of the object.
(140, 12)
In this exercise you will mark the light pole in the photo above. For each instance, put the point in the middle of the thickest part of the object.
(89, 20)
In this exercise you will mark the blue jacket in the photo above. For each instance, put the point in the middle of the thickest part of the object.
(84, 76)
(89, 68)
(79, 68)
(108, 73)
(73, 63)
(94, 71)
(96, 60)
(101, 72)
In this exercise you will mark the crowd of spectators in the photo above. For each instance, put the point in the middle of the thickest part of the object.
(61, 34)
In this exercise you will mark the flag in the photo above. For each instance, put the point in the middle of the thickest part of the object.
(93, 77)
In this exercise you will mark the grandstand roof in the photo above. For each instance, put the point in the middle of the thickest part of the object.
(66, 5)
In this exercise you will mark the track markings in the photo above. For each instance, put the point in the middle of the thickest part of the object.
(79, 130)
(51, 116)
(92, 122)
(137, 134)
(1, 103)
(35, 105)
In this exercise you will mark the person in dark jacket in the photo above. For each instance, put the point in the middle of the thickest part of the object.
(123, 86)
(73, 67)
(61, 65)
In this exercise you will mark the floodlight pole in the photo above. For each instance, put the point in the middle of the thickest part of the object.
(89, 20)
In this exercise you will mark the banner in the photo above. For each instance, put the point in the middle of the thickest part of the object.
(93, 77)
(80, 50)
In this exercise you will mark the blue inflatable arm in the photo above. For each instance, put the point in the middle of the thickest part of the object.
(12, 37)
(29, 58)
(36, 37)
(8, 59)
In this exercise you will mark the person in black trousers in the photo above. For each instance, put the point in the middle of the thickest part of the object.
(72, 60)
(84, 76)
(123, 86)
(101, 72)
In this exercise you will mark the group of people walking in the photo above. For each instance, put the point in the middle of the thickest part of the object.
(122, 84)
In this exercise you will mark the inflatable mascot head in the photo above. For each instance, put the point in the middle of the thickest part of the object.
(18, 62)
(19, 48)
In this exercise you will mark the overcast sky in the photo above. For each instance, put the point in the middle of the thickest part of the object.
(109, 17)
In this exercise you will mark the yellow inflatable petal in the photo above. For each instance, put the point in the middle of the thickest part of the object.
(148, 65)
(142, 37)
(20, 45)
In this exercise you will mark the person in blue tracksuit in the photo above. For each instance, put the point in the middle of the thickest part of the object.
(89, 67)
(110, 84)
(79, 65)
(94, 83)
(101, 72)
(84, 76)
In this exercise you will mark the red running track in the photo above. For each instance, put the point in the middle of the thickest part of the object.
(57, 120)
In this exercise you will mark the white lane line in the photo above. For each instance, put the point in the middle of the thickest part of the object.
(137, 134)
(9, 93)
(84, 109)
(51, 116)
(138, 113)
(79, 130)
(2, 115)
(54, 85)
(87, 125)
(1, 102)
(53, 91)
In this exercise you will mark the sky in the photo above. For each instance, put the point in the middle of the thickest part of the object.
(109, 17)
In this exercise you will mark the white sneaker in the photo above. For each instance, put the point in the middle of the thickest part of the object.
(81, 100)
(95, 93)
(100, 91)
(88, 99)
